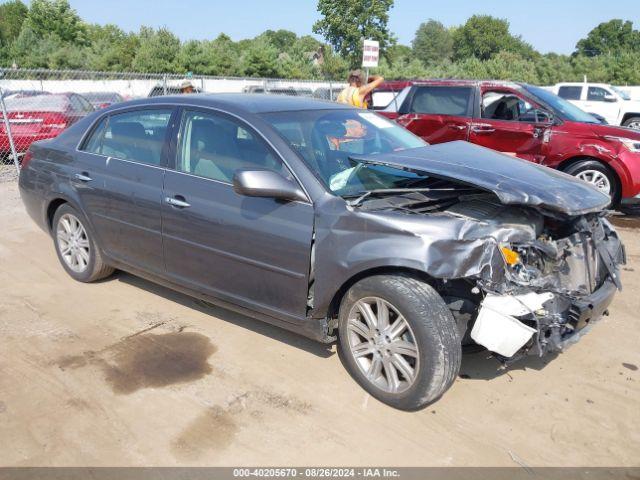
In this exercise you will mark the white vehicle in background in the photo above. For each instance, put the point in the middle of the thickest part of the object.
(606, 101)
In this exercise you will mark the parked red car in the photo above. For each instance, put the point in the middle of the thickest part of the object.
(39, 117)
(520, 120)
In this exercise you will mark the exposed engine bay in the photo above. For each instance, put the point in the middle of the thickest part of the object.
(557, 273)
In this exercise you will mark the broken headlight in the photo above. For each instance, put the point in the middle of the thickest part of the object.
(524, 262)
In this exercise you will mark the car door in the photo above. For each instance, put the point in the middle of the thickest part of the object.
(438, 113)
(511, 124)
(126, 184)
(603, 102)
(251, 251)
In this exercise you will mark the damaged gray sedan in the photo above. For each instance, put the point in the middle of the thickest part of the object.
(334, 223)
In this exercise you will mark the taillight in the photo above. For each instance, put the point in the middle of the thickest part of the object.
(26, 158)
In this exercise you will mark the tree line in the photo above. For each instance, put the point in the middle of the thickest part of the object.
(50, 34)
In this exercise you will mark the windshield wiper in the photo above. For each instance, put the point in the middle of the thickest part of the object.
(358, 200)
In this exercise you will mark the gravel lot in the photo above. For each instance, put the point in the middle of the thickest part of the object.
(124, 372)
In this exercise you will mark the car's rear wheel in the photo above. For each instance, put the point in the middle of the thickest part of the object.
(598, 175)
(76, 248)
(633, 122)
(398, 340)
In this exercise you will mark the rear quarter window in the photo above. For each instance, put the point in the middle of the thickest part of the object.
(437, 100)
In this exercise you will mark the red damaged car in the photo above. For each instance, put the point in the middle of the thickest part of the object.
(39, 117)
(520, 120)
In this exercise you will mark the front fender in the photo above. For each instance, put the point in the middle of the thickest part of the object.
(624, 163)
(444, 248)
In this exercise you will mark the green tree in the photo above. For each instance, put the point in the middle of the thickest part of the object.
(12, 15)
(224, 57)
(398, 54)
(483, 36)
(111, 49)
(334, 67)
(33, 51)
(58, 18)
(158, 51)
(345, 24)
(260, 60)
(614, 36)
(432, 42)
(553, 68)
(281, 39)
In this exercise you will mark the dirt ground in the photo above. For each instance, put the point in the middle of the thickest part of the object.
(124, 372)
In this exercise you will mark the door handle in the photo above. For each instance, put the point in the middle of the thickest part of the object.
(83, 177)
(177, 201)
(457, 127)
(482, 129)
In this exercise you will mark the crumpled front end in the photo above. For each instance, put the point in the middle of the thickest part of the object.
(556, 286)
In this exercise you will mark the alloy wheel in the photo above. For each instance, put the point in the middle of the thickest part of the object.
(383, 345)
(596, 178)
(73, 243)
(635, 125)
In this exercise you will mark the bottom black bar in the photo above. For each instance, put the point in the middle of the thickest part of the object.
(365, 473)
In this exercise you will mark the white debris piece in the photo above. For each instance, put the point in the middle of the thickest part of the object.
(496, 327)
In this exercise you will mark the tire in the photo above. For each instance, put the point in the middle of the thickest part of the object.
(434, 358)
(87, 267)
(589, 170)
(632, 122)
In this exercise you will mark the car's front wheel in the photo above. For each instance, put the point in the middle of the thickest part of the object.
(398, 340)
(598, 175)
(76, 247)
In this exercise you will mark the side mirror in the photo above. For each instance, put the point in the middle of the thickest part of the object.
(544, 116)
(266, 183)
(610, 97)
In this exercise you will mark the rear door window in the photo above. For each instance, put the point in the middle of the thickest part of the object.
(137, 136)
(442, 100)
(570, 92)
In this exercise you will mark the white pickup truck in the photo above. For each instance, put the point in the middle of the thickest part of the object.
(602, 100)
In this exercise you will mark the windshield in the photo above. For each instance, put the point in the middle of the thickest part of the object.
(560, 106)
(329, 141)
(622, 93)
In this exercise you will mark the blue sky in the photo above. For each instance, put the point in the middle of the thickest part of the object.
(549, 25)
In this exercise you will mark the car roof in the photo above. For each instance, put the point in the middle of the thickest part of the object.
(580, 84)
(241, 102)
(399, 84)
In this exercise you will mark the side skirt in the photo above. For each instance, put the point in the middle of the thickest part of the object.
(315, 329)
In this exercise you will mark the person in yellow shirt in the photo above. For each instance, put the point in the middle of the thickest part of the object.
(356, 92)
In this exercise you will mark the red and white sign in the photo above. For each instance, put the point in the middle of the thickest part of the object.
(370, 53)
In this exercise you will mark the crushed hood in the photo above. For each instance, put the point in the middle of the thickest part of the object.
(514, 181)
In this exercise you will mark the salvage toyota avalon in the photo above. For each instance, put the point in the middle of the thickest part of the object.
(335, 223)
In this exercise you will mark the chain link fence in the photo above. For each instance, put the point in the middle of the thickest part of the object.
(40, 104)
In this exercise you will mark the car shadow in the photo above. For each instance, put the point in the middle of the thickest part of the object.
(482, 366)
(248, 323)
